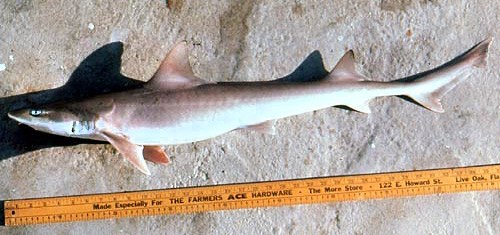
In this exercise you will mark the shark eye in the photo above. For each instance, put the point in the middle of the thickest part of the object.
(36, 112)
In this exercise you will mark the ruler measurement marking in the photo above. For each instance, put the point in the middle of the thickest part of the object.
(236, 196)
(300, 192)
(124, 212)
(276, 198)
(159, 196)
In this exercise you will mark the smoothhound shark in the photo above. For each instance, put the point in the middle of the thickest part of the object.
(176, 106)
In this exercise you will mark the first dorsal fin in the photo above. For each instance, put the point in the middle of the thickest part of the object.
(345, 70)
(175, 71)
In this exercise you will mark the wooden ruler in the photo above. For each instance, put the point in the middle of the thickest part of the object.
(250, 195)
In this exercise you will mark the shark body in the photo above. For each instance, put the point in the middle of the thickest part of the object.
(177, 107)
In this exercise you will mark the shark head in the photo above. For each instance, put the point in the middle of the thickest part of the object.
(57, 120)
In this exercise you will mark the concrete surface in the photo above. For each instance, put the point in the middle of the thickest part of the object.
(43, 42)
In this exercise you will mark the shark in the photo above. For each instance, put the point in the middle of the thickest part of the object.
(175, 106)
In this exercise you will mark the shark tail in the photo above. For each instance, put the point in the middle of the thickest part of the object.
(430, 86)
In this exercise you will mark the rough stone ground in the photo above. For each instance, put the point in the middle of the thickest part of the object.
(42, 42)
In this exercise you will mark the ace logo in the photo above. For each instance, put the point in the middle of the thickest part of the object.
(237, 196)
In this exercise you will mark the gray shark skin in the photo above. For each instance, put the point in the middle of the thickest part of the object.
(177, 107)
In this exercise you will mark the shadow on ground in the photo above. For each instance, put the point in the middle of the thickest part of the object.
(99, 73)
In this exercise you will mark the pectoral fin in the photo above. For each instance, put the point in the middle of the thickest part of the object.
(155, 154)
(133, 153)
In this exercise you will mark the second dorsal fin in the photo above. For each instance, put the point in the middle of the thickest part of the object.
(175, 71)
(345, 70)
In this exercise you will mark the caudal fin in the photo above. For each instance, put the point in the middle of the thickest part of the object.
(478, 54)
(430, 86)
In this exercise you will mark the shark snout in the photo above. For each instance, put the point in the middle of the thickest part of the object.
(19, 115)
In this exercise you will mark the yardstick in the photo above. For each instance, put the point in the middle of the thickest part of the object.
(250, 195)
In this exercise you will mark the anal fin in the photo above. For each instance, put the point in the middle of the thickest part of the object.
(266, 127)
(155, 154)
(133, 153)
(429, 101)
